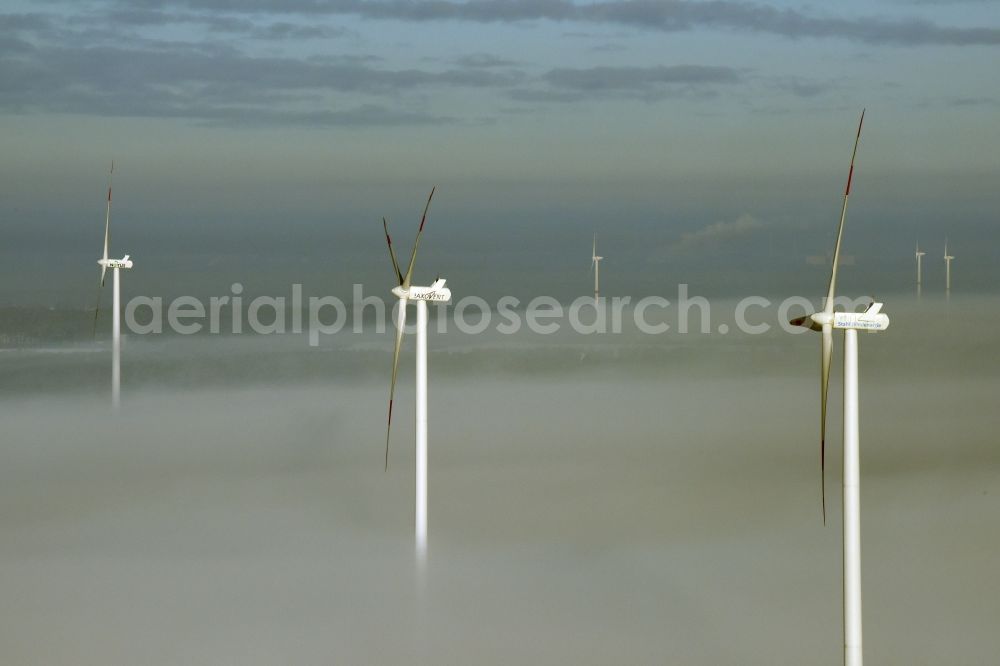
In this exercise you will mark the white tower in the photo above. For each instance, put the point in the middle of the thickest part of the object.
(825, 322)
(116, 265)
(919, 256)
(405, 292)
(947, 267)
(595, 264)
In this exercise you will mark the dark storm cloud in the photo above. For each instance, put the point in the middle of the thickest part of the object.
(668, 16)
(212, 82)
(220, 23)
(282, 30)
(641, 79)
(609, 48)
(534, 95)
(483, 60)
(10, 44)
(144, 16)
(32, 22)
(103, 66)
(96, 70)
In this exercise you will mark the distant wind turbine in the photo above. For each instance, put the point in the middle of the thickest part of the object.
(595, 265)
(827, 320)
(406, 292)
(105, 263)
(919, 256)
(947, 267)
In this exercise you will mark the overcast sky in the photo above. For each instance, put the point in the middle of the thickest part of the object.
(703, 141)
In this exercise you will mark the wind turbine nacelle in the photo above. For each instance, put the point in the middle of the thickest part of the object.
(124, 262)
(871, 319)
(436, 292)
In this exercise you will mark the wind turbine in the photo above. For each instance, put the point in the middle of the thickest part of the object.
(825, 321)
(115, 264)
(595, 265)
(919, 256)
(420, 295)
(947, 267)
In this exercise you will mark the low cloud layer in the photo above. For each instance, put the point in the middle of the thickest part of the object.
(591, 501)
(52, 70)
(645, 83)
(720, 232)
(46, 66)
(675, 16)
(638, 78)
(266, 62)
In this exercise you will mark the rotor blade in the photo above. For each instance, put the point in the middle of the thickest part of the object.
(840, 230)
(107, 219)
(107, 241)
(392, 251)
(594, 253)
(395, 366)
(805, 321)
(416, 243)
(97, 309)
(827, 354)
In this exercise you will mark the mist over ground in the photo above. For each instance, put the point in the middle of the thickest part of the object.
(593, 499)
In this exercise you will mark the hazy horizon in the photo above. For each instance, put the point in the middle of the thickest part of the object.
(702, 143)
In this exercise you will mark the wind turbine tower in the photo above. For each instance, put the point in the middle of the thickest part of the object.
(595, 263)
(825, 322)
(115, 264)
(919, 256)
(405, 292)
(947, 267)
